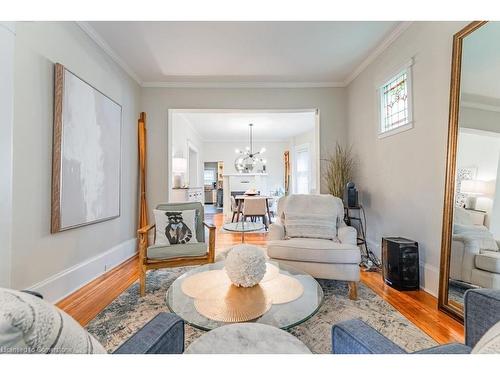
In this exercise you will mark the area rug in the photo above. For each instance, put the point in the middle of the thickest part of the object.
(129, 312)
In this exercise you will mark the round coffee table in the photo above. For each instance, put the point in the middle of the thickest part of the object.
(284, 316)
(247, 338)
(243, 227)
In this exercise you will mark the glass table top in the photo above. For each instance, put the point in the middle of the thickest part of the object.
(283, 316)
(243, 226)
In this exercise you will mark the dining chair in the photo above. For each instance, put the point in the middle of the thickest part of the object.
(256, 207)
(234, 209)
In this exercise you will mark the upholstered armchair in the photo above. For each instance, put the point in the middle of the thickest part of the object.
(336, 259)
(189, 254)
(482, 311)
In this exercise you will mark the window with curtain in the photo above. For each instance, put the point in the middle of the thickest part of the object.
(302, 170)
(395, 104)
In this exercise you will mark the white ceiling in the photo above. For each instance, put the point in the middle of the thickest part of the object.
(326, 53)
(481, 62)
(233, 126)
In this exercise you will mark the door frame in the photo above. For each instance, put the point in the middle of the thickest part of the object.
(169, 124)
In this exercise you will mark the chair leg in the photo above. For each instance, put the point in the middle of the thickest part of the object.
(353, 290)
(232, 219)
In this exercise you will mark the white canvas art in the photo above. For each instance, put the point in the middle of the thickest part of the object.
(89, 153)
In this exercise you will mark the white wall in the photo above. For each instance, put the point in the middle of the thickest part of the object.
(224, 151)
(481, 150)
(156, 102)
(183, 134)
(56, 264)
(401, 177)
(7, 40)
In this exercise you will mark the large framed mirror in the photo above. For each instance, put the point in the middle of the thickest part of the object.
(470, 256)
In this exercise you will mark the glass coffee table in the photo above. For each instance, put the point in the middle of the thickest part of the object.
(285, 315)
(243, 227)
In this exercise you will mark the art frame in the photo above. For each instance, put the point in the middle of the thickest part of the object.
(86, 154)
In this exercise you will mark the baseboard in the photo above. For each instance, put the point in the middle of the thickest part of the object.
(56, 287)
(429, 274)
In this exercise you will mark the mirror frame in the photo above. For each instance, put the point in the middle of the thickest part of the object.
(451, 158)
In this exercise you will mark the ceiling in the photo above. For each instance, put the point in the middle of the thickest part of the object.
(233, 126)
(170, 53)
(481, 64)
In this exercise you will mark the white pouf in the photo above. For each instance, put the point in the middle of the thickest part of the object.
(246, 265)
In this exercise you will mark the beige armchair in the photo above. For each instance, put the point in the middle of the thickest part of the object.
(161, 256)
(321, 258)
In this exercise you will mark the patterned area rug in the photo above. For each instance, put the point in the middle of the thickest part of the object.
(129, 312)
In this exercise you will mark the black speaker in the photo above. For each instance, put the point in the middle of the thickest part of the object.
(400, 265)
(351, 195)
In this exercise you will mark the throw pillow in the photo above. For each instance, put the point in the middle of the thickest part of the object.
(305, 225)
(175, 227)
(490, 342)
(29, 324)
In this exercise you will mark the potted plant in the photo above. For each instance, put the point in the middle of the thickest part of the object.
(338, 170)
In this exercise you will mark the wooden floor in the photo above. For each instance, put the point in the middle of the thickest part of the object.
(419, 307)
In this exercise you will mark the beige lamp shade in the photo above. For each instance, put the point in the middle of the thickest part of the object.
(179, 165)
(474, 187)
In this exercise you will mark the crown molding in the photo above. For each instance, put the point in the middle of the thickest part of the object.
(238, 85)
(10, 26)
(89, 30)
(480, 106)
(377, 51)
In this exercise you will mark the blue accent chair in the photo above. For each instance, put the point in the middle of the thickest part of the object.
(164, 334)
(482, 311)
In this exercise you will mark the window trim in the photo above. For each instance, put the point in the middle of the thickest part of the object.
(406, 68)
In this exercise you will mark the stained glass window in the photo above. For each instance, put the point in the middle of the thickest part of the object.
(395, 103)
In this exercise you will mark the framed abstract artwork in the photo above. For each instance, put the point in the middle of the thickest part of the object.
(86, 154)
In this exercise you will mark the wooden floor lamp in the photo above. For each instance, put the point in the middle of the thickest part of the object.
(143, 209)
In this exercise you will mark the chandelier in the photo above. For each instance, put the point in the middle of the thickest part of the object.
(247, 161)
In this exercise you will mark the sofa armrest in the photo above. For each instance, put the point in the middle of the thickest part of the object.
(347, 235)
(482, 311)
(453, 348)
(357, 337)
(276, 232)
(164, 334)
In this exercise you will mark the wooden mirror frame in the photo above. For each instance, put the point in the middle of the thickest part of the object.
(451, 159)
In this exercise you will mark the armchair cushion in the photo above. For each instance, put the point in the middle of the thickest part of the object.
(176, 251)
(357, 337)
(488, 261)
(314, 250)
(164, 334)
